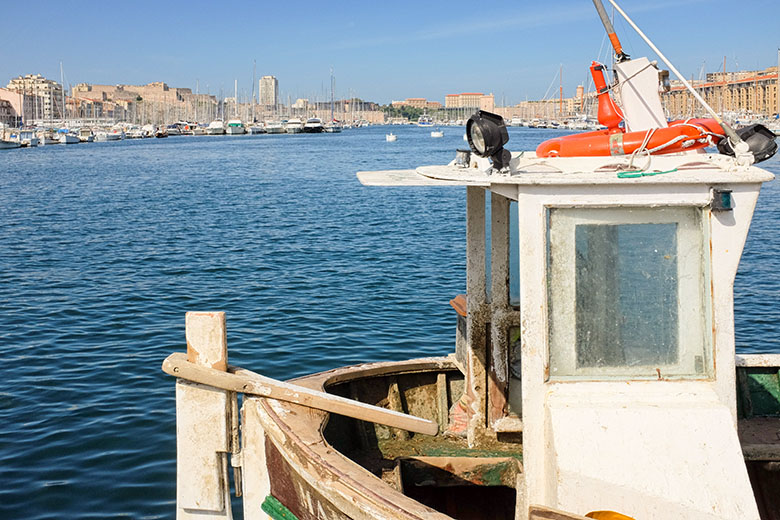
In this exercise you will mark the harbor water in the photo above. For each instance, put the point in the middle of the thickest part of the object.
(104, 247)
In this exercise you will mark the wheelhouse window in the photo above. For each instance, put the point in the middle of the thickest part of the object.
(628, 293)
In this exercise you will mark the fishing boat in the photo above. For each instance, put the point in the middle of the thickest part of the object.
(28, 138)
(86, 135)
(607, 386)
(8, 141)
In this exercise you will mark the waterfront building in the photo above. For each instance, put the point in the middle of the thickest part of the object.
(48, 95)
(8, 115)
(470, 100)
(417, 103)
(269, 91)
(156, 102)
(744, 92)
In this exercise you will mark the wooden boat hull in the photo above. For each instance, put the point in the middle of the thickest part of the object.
(316, 465)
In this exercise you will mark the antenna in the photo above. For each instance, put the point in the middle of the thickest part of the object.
(620, 56)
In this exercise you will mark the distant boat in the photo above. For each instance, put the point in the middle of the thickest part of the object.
(235, 127)
(65, 137)
(333, 127)
(391, 137)
(28, 138)
(133, 132)
(47, 137)
(425, 120)
(294, 126)
(7, 144)
(313, 126)
(437, 133)
(216, 127)
(173, 129)
(274, 127)
(255, 129)
(86, 135)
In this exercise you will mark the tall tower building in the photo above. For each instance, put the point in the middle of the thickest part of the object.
(269, 91)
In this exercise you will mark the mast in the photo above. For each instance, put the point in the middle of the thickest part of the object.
(254, 76)
(235, 99)
(62, 83)
(560, 103)
(333, 87)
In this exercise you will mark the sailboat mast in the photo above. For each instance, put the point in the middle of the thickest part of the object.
(560, 104)
(254, 75)
(332, 88)
(62, 83)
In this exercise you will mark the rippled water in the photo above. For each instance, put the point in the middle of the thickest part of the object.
(104, 247)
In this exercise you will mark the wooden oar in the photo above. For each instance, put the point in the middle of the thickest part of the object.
(247, 382)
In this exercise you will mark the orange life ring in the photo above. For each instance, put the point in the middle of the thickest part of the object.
(679, 136)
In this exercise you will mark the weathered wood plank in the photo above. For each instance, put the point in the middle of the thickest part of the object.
(202, 428)
(248, 382)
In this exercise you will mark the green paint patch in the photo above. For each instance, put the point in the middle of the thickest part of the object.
(276, 510)
(764, 389)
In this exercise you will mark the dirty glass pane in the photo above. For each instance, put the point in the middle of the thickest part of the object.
(628, 293)
(515, 375)
(626, 290)
(514, 256)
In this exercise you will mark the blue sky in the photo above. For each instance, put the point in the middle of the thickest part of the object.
(379, 51)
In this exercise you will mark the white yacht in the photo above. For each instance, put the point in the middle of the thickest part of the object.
(313, 126)
(255, 129)
(274, 127)
(235, 127)
(294, 126)
(216, 127)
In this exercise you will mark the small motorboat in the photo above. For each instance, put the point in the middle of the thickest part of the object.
(437, 133)
(391, 137)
